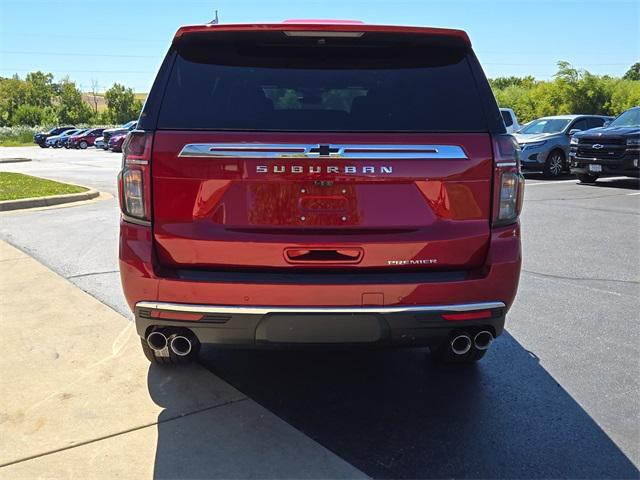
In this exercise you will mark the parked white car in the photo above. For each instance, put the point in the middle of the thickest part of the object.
(510, 120)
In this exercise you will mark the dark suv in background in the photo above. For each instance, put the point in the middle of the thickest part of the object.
(41, 137)
(611, 150)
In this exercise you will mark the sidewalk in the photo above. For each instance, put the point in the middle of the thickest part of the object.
(78, 399)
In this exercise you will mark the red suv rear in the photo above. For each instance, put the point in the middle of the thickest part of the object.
(320, 183)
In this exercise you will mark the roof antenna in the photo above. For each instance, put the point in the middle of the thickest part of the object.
(215, 21)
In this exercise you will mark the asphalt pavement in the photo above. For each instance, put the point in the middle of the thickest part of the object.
(557, 395)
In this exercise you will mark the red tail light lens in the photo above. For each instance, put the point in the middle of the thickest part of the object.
(477, 315)
(508, 181)
(135, 177)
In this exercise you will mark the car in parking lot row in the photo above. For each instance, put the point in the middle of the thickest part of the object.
(110, 132)
(116, 141)
(41, 137)
(84, 139)
(73, 137)
(60, 140)
(544, 143)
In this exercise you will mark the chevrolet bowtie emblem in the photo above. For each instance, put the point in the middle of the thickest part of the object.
(324, 150)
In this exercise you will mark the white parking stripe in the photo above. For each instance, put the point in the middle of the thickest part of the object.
(637, 193)
(551, 182)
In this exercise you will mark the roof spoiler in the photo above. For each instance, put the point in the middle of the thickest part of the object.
(329, 27)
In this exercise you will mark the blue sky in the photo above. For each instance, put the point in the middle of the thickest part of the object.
(125, 40)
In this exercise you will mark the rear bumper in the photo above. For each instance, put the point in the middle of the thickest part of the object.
(398, 307)
(264, 326)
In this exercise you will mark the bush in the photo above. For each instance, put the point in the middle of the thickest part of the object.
(16, 136)
(28, 115)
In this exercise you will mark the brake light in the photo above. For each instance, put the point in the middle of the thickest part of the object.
(508, 186)
(134, 180)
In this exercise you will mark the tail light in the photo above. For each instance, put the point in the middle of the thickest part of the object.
(508, 187)
(134, 180)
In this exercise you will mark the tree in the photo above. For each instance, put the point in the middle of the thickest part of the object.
(13, 93)
(504, 82)
(28, 115)
(39, 88)
(633, 73)
(122, 105)
(71, 107)
(94, 96)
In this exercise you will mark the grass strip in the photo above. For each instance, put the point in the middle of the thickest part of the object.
(14, 186)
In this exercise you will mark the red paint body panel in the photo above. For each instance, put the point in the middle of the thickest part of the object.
(214, 212)
(497, 280)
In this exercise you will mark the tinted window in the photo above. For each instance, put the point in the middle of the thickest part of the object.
(373, 87)
(595, 122)
(506, 116)
(582, 124)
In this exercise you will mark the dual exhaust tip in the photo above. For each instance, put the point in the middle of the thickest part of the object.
(462, 343)
(180, 344)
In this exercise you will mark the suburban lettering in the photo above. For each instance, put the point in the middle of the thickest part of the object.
(314, 169)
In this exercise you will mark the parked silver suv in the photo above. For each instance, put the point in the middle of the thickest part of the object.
(545, 142)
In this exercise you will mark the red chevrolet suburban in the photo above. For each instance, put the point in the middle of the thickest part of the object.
(320, 182)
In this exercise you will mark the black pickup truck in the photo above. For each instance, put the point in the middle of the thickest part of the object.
(610, 150)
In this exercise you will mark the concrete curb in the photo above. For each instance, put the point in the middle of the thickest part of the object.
(23, 203)
(14, 160)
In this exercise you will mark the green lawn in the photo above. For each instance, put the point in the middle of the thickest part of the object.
(15, 143)
(16, 185)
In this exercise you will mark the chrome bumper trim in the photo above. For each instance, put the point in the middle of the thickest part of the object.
(233, 310)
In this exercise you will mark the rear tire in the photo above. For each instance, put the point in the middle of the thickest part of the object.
(586, 178)
(83, 145)
(443, 355)
(555, 164)
(172, 359)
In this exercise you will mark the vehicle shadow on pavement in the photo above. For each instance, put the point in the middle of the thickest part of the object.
(393, 414)
(622, 183)
(534, 175)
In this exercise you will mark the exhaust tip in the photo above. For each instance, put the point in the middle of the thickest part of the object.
(461, 344)
(157, 341)
(483, 340)
(180, 345)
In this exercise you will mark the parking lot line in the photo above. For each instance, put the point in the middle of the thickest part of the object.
(635, 193)
(573, 180)
(550, 182)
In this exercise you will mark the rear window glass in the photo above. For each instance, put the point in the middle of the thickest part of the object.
(358, 86)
